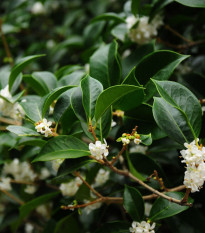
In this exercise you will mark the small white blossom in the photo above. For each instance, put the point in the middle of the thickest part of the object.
(113, 124)
(142, 227)
(101, 178)
(203, 109)
(139, 149)
(30, 189)
(5, 183)
(88, 209)
(125, 141)
(56, 164)
(147, 208)
(29, 228)
(50, 44)
(38, 9)
(70, 188)
(137, 141)
(44, 210)
(143, 31)
(43, 127)
(98, 150)
(87, 68)
(45, 173)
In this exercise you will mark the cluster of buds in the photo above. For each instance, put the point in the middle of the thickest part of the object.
(126, 138)
(194, 157)
(44, 127)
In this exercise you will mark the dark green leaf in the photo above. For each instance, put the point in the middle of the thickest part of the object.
(108, 16)
(22, 131)
(133, 203)
(192, 3)
(114, 227)
(135, 4)
(67, 224)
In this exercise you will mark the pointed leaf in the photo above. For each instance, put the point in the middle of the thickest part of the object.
(22, 131)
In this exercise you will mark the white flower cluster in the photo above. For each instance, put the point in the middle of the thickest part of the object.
(43, 127)
(139, 149)
(88, 209)
(56, 164)
(101, 177)
(38, 9)
(21, 171)
(98, 150)
(69, 189)
(194, 157)
(126, 138)
(142, 227)
(8, 109)
(140, 30)
(44, 210)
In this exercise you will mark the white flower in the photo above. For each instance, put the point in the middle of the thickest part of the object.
(143, 31)
(43, 127)
(30, 189)
(203, 109)
(137, 141)
(87, 68)
(56, 164)
(19, 170)
(142, 227)
(44, 210)
(88, 209)
(101, 178)
(139, 149)
(5, 183)
(113, 124)
(98, 150)
(29, 228)
(147, 208)
(125, 141)
(70, 188)
(50, 44)
(45, 173)
(38, 9)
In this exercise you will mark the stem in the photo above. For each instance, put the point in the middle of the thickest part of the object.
(12, 196)
(119, 154)
(5, 44)
(186, 196)
(9, 121)
(160, 180)
(92, 130)
(88, 185)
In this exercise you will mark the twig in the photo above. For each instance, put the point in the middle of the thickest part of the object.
(186, 196)
(6, 47)
(92, 130)
(160, 180)
(119, 154)
(88, 185)
(9, 121)
(12, 196)
(177, 33)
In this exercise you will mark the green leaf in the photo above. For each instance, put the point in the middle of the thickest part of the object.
(133, 203)
(135, 4)
(22, 131)
(120, 31)
(105, 65)
(163, 208)
(32, 110)
(29, 141)
(17, 69)
(161, 65)
(146, 139)
(114, 227)
(62, 105)
(184, 100)
(172, 121)
(113, 94)
(91, 89)
(192, 3)
(109, 16)
(31, 205)
(63, 147)
(41, 82)
(67, 224)
(14, 98)
(71, 79)
(53, 95)
(77, 104)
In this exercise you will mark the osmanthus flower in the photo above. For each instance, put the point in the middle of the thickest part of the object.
(43, 127)
(126, 138)
(141, 30)
(5, 183)
(142, 227)
(98, 150)
(101, 177)
(194, 157)
(70, 188)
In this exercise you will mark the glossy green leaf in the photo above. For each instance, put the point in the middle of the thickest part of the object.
(77, 104)
(17, 69)
(105, 65)
(163, 208)
(161, 65)
(172, 121)
(108, 16)
(183, 99)
(114, 94)
(63, 147)
(135, 4)
(91, 89)
(53, 95)
(32, 110)
(120, 31)
(29, 141)
(192, 3)
(41, 82)
(133, 203)
(14, 98)
(146, 139)
(22, 131)
(31, 205)
(71, 79)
